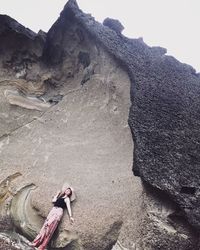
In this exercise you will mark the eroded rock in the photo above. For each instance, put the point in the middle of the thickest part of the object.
(163, 226)
(15, 98)
(163, 116)
(27, 87)
(14, 241)
(20, 47)
(113, 24)
(86, 139)
(24, 217)
(74, 140)
(5, 186)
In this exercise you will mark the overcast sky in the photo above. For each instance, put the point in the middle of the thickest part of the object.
(173, 24)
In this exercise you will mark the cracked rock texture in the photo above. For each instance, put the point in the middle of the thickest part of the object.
(92, 81)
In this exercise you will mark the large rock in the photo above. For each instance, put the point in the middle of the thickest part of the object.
(84, 139)
(163, 116)
(20, 49)
(113, 24)
(17, 41)
(89, 69)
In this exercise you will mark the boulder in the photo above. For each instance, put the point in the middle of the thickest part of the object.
(84, 139)
(163, 116)
(113, 24)
(102, 82)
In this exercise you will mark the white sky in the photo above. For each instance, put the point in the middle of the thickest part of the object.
(173, 24)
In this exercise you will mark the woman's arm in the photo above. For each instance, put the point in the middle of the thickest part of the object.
(68, 204)
(56, 196)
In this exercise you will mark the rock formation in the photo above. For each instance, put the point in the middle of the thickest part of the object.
(113, 24)
(66, 99)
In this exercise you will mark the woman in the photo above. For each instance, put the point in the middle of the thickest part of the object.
(61, 201)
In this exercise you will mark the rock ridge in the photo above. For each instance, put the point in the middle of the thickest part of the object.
(79, 69)
(163, 116)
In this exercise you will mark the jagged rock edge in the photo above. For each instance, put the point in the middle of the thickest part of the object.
(112, 43)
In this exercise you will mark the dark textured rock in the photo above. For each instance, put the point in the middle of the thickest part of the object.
(113, 24)
(42, 35)
(9, 24)
(164, 119)
(164, 116)
(19, 46)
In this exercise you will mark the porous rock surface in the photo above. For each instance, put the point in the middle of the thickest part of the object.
(163, 116)
(90, 75)
(113, 24)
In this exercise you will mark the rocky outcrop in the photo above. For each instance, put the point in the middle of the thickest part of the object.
(84, 139)
(163, 116)
(14, 241)
(98, 79)
(14, 98)
(20, 47)
(113, 24)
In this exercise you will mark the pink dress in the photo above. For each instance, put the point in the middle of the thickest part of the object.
(49, 227)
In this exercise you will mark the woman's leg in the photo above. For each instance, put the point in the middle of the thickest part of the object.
(48, 228)
(49, 235)
(39, 238)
